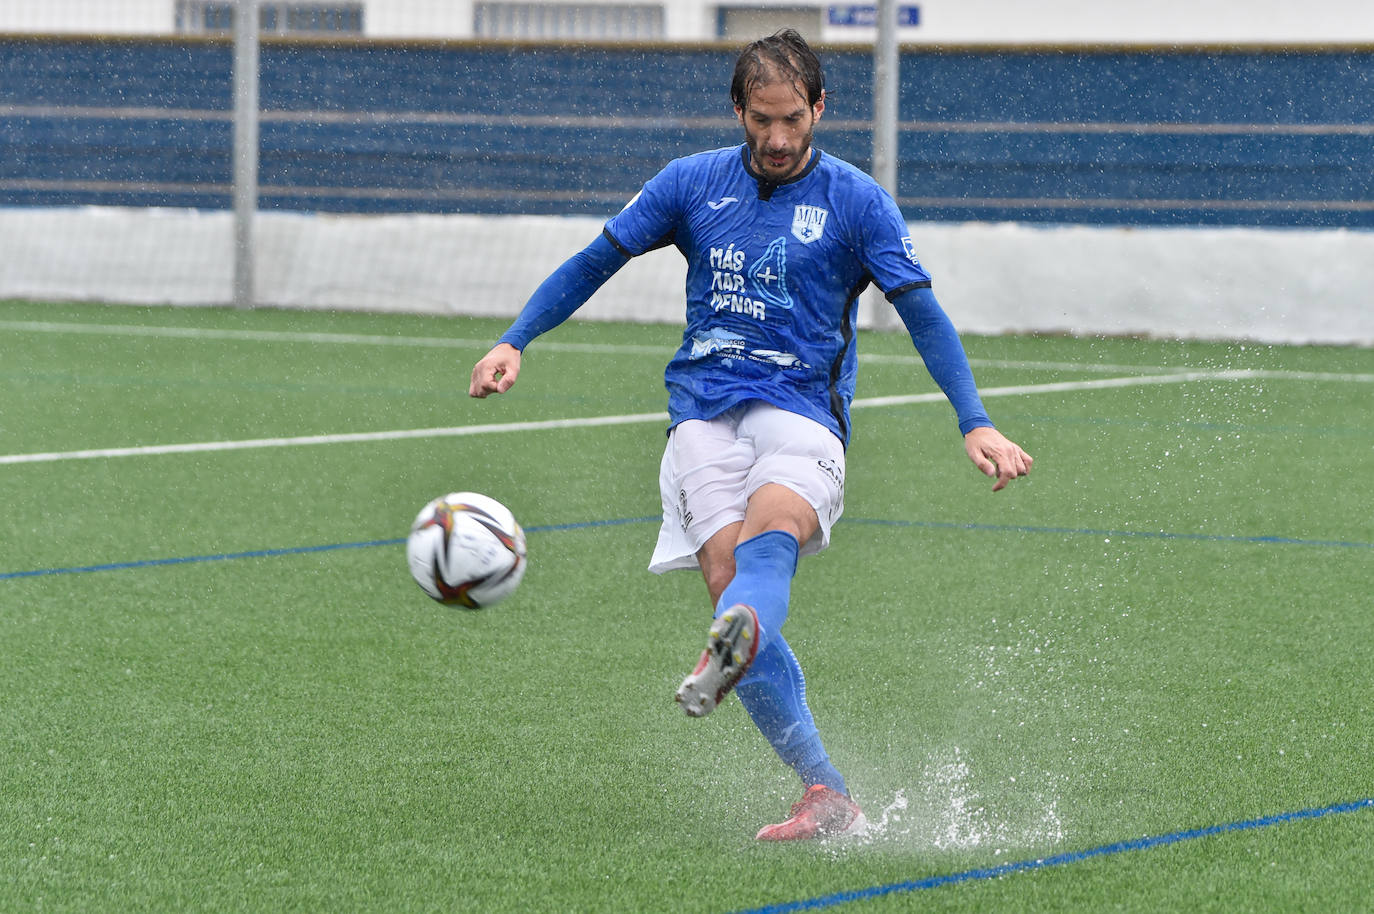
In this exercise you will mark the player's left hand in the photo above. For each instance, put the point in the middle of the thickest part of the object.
(996, 455)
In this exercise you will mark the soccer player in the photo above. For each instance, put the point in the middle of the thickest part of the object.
(779, 238)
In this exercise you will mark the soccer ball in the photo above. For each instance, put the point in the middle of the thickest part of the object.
(467, 550)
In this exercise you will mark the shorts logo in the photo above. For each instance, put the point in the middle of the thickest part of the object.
(833, 470)
(808, 223)
(684, 515)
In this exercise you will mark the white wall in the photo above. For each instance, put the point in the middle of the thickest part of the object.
(418, 19)
(1278, 286)
(941, 21)
(1124, 21)
(109, 17)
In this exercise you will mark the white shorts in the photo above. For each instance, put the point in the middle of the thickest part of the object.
(710, 468)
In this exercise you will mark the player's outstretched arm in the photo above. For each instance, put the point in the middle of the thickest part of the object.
(496, 371)
(997, 455)
(564, 291)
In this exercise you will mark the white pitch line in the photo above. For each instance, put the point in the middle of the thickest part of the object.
(588, 422)
(914, 359)
(290, 336)
(345, 438)
(1063, 386)
(1345, 377)
(431, 342)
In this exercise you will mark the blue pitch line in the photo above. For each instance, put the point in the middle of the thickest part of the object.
(293, 550)
(1040, 863)
(616, 522)
(191, 559)
(1136, 534)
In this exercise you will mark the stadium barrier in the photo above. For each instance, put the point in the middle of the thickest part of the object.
(1265, 285)
(1256, 136)
(1179, 192)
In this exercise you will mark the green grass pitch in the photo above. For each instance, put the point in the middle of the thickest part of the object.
(1165, 628)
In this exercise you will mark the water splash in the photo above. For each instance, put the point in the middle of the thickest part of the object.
(950, 811)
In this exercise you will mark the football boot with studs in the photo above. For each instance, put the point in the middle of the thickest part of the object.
(730, 648)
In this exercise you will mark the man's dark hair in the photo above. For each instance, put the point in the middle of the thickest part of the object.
(784, 54)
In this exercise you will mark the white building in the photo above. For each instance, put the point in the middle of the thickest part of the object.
(923, 21)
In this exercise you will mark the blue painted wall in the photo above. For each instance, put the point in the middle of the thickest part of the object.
(1175, 137)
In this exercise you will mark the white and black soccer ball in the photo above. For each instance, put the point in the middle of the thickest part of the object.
(466, 549)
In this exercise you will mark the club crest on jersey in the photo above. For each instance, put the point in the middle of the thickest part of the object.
(808, 223)
(910, 250)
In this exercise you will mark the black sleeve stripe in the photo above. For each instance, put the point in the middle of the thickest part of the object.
(895, 293)
(670, 238)
(615, 242)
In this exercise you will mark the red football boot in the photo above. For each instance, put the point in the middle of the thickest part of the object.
(821, 813)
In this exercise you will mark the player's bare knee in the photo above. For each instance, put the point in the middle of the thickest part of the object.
(717, 580)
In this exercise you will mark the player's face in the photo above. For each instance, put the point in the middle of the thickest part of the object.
(778, 126)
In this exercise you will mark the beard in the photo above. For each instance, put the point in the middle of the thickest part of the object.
(778, 164)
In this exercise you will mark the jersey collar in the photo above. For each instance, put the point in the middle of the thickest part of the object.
(766, 187)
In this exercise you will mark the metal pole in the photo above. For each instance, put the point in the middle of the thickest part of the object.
(245, 148)
(885, 81)
(873, 310)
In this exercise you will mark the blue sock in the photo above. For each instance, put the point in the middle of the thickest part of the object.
(774, 694)
(764, 566)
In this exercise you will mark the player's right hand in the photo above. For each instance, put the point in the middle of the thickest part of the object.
(496, 371)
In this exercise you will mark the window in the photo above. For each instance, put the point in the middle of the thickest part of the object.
(302, 17)
(214, 17)
(492, 19)
(745, 23)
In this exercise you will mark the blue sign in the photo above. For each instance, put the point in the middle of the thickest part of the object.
(865, 16)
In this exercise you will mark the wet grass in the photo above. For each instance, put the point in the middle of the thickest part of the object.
(1163, 629)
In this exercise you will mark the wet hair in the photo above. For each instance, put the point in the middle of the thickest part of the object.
(785, 56)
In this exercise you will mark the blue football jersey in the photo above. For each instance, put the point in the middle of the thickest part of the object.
(773, 278)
